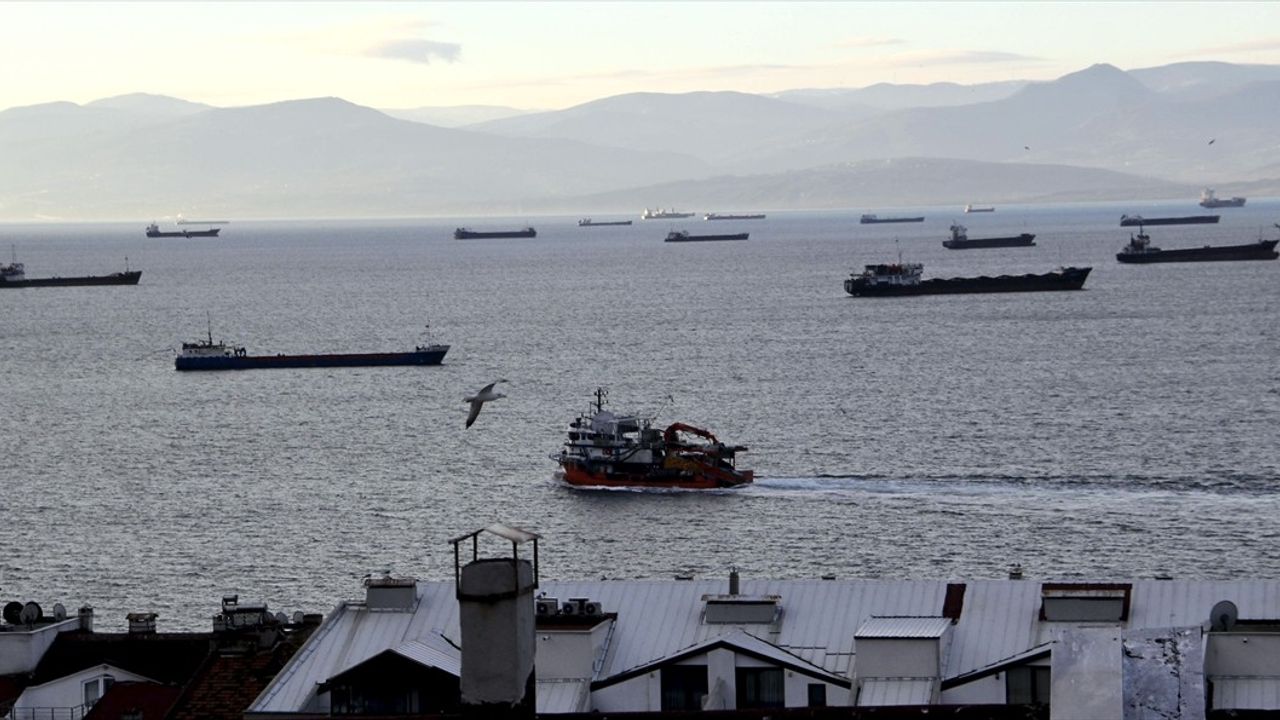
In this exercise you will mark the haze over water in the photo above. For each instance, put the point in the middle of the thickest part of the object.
(1123, 431)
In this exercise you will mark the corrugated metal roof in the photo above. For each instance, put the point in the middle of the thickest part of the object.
(886, 691)
(563, 696)
(817, 623)
(1246, 693)
(434, 652)
(747, 643)
(903, 627)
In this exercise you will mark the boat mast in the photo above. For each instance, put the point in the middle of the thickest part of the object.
(601, 394)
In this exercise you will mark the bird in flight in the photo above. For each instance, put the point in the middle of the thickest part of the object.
(1211, 140)
(479, 399)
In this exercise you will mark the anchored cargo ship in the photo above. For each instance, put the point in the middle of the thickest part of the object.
(960, 240)
(978, 208)
(683, 236)
(1140, 250)
(872, 219)
(465, 234)
(887, 280)
(588, 222)
(208, 355)
(154, 231)
(1138, 220)
(605, 450)
(1209, 200)
(14, 275)
(732, 216)
(660, 214)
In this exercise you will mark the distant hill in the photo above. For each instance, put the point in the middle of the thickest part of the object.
(456, 116)
(156, 106)
(1199, 80)
(889, 96)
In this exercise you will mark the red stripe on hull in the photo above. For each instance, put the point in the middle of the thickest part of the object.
(579, 477)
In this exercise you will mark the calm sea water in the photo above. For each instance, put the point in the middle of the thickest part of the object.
(1126, 430)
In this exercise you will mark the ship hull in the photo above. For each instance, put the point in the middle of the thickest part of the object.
(579, 475)
(706, 238)
(733, 217)
(1213, 204)
(475, 235)
(261, 362)
(124, 278)
(604, 224)
(1067, 279)
(1023, 240)
(213, 232)
(1253, 251)
(882, 221)
(1187, 220)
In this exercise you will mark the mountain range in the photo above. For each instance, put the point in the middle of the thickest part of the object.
(1098, 133)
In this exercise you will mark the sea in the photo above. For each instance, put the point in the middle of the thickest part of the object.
(1128, 430)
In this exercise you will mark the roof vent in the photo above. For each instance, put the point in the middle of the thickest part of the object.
(741, 609)
(142, 623)
(390, 593)
(1015, 571)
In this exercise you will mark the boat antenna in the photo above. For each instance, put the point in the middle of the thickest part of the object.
(601, 394)
(209, 325)
(899, 246)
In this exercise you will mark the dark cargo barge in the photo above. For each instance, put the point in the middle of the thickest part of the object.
(1138, 220)
(465, 234)
(14, 275)
(1139, 250)
(682, 236)
(960, 240)
(208, 355)
(900, 279)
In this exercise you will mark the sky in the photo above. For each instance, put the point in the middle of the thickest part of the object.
(551, 55)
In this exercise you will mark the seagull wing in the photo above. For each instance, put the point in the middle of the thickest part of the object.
(486, 389)
(475, 410)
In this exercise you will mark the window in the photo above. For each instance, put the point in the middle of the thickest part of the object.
(95, 688)
(1085, 602)
(1027, 685)
(817, 695)
(760, 688)
(684, 687)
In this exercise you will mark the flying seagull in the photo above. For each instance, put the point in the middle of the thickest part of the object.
(1211, 140)
(479, 399)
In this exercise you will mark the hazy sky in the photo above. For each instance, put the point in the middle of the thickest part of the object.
(557, 54)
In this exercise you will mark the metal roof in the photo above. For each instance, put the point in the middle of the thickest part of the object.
(432, 651)
(895, 691)
(563, 696)
(903, 627)
(817, 622)
(1246, 693)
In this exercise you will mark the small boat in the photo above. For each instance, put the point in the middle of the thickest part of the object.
(960, 240)
(466, 234)
(1140, 250)
(154, 231)
(1138, 220)
(977, 208)
(897, 279)
(871, 219)
(208, 355)
(660, 214)
(588, 222)
(731, 216)
(1210, 200)
(14, 275)
(684, 236)
(605, 450)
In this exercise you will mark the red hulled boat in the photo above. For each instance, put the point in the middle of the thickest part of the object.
(626, 451)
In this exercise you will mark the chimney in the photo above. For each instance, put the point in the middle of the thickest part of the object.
(85, 614)
(390, 593)
(142, 623)
(733, 581)
(496, 614)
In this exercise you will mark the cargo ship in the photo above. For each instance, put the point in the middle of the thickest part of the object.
(684, 236)
(960, 240)
(605, 450)
(660, 214)
(979, 208)
(154, 231)
(733, 216)
(1209, 200)
(466, 234)
(892, 280)
(588, 222)
(14, 275)
(1140, 250)
(872, 219)
(208, 355)
(1139, 221)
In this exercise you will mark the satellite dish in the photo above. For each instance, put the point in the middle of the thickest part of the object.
(282, 619)
(31, 614)
(12, 611)
(59, 612)
(1223, 616)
